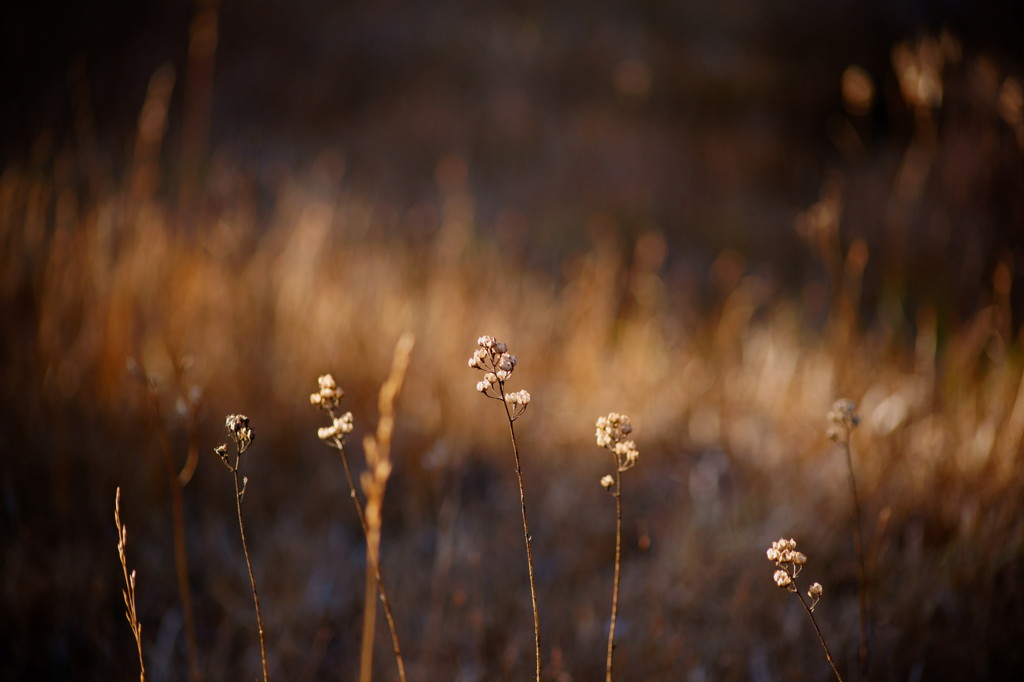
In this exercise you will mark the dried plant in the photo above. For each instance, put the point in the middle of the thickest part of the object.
(611, 435)
(129, 583)
(242, 435)
(373, 482)
(789, 562)
(492, 357)
(844, 419)
(176, 482)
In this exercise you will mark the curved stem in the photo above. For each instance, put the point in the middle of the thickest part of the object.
(821, 638)
(252, 577)
(615, 582)
(526, 534)
(858, 543)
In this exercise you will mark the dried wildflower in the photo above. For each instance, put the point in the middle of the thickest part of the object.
(240, 431)
(611, 434)
(329, 396)
(789, 562)
(844, 419)
(339, 428)
(492, 357)
(814, 592)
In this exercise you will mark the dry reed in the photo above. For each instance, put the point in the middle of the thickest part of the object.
(128, 593)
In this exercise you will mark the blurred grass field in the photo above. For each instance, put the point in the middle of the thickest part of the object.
(236, 300)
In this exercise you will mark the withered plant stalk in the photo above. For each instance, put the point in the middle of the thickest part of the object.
(615, 582)
(242, 435)
(789, 563)
(821, 637)
(526, 535)
(493, 359)
(129, 583)
(844, 420)
(612, 434)
(373, 482)
(176, 481)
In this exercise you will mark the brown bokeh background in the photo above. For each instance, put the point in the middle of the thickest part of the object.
(717, 220)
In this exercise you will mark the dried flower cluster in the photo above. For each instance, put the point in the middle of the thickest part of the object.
(327, 398)
(790, 562)
(611, 435)
(492, 357)
(844, 419)
(240, 431)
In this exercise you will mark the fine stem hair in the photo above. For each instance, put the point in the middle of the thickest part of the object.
(373, 482)
(128, 593)
(789, 563)
(242, 435)
(844, 419)
(492, 357)
(611, 435)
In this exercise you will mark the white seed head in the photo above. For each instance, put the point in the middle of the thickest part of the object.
(782, 578)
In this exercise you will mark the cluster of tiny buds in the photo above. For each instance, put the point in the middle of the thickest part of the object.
(240, 431)
(340, 427)
(611, 434)
(329, 396)
(844, 419)
(790, 562)
(492, 356)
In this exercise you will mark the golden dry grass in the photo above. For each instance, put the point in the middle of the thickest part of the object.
(253, 302)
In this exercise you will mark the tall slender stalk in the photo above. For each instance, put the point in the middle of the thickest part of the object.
(844, 420)
(239, 492)
(373, 561)
(176, 481)
(612, 434)
(615, 582)
(492, 357)
(242, 435)
(373, 483)
(862, 591)
(128, 593)
(526, 538)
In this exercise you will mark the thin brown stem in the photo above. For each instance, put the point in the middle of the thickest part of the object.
(615, 581)
(129, 584)
(252, 578)
(174, 483)
(858, 544)
(821, 638)
(372, 556)
(369, 621)
(526, 534)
